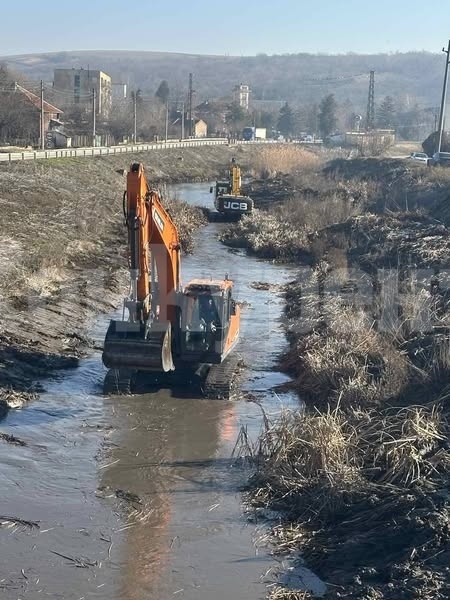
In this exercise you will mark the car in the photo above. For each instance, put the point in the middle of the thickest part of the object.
(440, 158)
(419, 157)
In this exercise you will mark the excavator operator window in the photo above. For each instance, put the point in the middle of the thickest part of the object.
(208, 311)
(202, 322)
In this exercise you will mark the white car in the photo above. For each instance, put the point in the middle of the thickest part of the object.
(420, 157)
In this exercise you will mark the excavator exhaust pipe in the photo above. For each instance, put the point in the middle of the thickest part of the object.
(128, 346)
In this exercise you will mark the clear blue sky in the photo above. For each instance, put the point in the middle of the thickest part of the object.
(234, 27)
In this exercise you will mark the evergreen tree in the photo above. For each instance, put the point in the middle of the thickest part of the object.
(311, 119)
(327, 115)
(235, 114)
(286, 120)
(163, 91)
(386, 113)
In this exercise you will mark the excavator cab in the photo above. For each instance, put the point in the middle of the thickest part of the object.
(206, 316)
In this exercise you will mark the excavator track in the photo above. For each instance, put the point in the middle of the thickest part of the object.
(220, 380)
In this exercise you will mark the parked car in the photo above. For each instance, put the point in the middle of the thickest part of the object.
(419, 157)
(440, 158)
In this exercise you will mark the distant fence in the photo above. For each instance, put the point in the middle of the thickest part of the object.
(113, 150)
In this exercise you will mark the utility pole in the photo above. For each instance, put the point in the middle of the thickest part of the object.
(370, 117)
(443, 99)
(182, 120)
(167, 120)
(191, 93)
(94, 97)
(135, 117)
(42, 120)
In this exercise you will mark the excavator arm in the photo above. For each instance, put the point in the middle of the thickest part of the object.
(235, 178)
(154, 251)
(144, 341)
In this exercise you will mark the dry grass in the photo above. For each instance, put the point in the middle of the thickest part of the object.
(346, 361)
(315, 466)
(282, 593)
(309, 465)
(268, 236)
(187, 218)
(283, 159)
(73, 219)
(405, 447)
(288, 229)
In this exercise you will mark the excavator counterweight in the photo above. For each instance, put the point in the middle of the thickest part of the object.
(168, 329)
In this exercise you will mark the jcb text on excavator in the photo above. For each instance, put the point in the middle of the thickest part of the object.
(169, 330)
(229, 201)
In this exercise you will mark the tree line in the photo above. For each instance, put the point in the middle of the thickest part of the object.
(166, 108)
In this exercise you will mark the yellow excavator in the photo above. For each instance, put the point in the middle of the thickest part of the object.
(229, 202)
(177, 335)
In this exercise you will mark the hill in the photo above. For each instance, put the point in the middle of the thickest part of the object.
(296, 78)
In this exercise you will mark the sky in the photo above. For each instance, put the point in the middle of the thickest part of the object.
(227, 27)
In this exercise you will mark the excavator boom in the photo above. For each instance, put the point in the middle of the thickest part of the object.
(144, 341)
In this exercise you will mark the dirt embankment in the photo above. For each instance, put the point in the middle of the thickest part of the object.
(361, 477)
(62, 255)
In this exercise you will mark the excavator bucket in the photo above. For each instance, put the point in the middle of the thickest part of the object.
(132, 346)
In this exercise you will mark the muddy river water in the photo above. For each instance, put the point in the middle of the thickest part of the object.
(139, 497)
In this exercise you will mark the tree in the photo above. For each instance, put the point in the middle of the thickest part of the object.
(19, 119)
(163, 91)
(286, 120)
(236, 115)
(264, 118)
(327, 115)
(311, 119)
(386, 113)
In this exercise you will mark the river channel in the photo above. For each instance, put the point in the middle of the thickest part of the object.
(139, 497)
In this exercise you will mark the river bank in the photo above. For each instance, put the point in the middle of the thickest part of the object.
(360, 479)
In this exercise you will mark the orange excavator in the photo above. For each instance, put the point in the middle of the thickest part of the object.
(177, 335)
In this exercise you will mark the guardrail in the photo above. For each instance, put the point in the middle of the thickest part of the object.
(109, 150)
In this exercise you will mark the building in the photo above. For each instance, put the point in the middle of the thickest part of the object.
(200, 128)
(76, 87)
(241, 94)
(52, 114)
(180, 129)
(118, 92)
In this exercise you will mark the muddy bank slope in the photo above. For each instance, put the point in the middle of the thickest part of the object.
(361, 478)
(62, 251)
